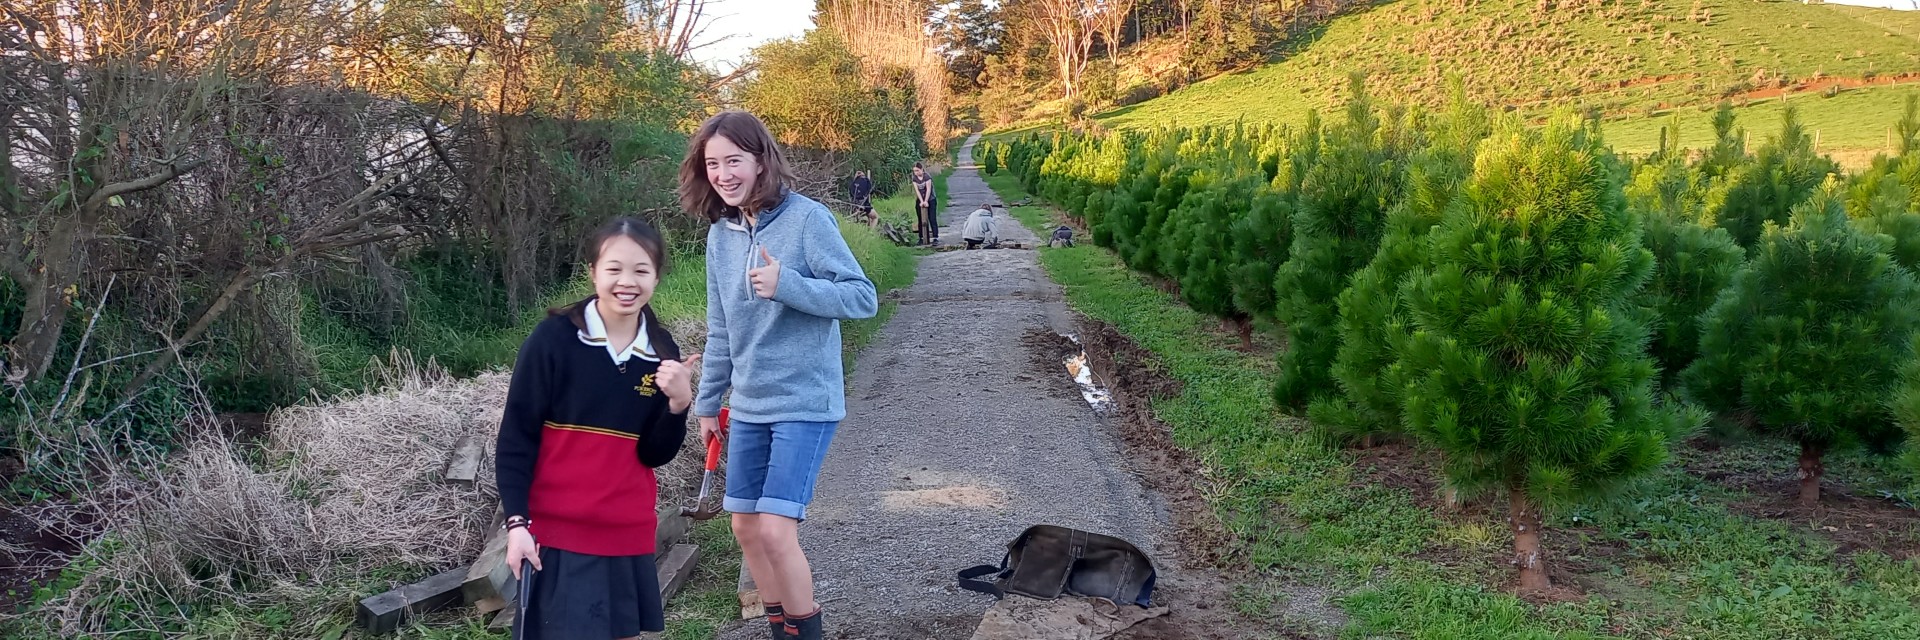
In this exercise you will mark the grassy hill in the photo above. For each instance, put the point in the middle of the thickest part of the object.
(1638, 61)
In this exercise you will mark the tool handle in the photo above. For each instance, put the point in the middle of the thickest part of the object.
(713, 443)
(520, 622)
(713, 453)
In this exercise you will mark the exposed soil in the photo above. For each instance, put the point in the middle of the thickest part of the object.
(1825, 83)
(1853, 520)
(30, 556)
(1199, 590)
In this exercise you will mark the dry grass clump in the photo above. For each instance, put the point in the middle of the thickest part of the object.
(340, 499)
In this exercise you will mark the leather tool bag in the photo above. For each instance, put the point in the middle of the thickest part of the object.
(1046, 561)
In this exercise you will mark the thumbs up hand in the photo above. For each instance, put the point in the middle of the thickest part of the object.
(766, 278)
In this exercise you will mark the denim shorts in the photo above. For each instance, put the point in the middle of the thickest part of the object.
(771, 468)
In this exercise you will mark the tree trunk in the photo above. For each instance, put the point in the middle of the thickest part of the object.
(1811, 468)
(1527, 554)
(44, 315)
(1245, 326)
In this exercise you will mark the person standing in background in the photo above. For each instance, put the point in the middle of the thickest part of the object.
(924, 200)
(862, 195)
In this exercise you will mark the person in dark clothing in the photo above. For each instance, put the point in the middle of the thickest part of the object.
(924, 203)
(598, 400)
(862, 192)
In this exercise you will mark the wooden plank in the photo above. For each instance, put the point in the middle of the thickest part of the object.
(385, 612)
(671, 527)
(489, 576)
(676, 568)
(479, 583)
(465, 464)
(491, 605)
(500, 578)
(749, 596)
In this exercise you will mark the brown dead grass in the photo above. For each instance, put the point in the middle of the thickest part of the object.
(337, 496)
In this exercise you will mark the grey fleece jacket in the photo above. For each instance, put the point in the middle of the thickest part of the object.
(780, 356)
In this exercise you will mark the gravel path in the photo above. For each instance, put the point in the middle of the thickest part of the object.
(957, 437)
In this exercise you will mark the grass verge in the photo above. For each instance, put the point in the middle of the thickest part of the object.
(1674, 556)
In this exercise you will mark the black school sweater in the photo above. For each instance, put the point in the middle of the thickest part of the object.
(579, 438)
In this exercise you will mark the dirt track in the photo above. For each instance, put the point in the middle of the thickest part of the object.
(962, 429)
(956, 439)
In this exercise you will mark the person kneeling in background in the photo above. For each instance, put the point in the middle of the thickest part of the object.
(1062, 237)
(979, 228)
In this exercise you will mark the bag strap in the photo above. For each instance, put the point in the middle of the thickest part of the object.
(970, 580)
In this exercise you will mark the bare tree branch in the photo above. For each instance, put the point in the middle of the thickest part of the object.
(173, 170)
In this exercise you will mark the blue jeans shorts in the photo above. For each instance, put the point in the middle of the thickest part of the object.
(771, 468)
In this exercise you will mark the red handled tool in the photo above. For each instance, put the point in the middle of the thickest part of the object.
(699, 510)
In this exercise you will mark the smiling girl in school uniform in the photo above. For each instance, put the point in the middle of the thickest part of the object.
(599, 399)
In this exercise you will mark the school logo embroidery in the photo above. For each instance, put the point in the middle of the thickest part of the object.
(647, 387)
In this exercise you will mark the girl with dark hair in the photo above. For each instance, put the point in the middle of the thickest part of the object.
(598, 400)
(923, 206)
(779, 281)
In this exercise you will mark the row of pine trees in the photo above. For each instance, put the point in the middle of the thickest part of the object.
(1547, 314)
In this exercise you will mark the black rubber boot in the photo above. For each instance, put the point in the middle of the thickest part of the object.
(776, 621)
(808, 628)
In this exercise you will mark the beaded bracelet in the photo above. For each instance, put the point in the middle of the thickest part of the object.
(516, 522)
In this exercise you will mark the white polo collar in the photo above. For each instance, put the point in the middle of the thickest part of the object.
(596, 335)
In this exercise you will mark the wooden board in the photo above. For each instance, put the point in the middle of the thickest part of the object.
(489, 576)
(465, 465)
(504, 620)
(490, 605)
(385, 612)
(671, 528)
(749, 596)
(480, 582)
(675, 568)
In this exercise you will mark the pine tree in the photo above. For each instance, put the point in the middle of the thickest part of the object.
(1156, 235)
(990, 160)
(1206, 283)
(1783, 174)
(1808, 340)
(1729, 144)
(1262, 237)
(1371, 319)
(1881, 200)
(1524, 363)
(1337, 224)
(1904, 405)
(1692, 261)
(1886, 197)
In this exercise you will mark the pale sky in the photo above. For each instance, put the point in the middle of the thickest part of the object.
(750, 23)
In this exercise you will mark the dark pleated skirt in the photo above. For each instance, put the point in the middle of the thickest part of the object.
(582, 597)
